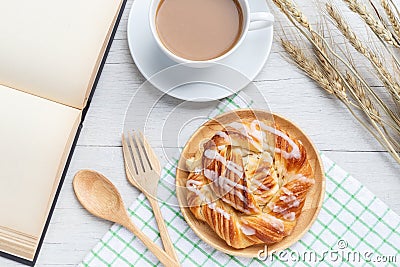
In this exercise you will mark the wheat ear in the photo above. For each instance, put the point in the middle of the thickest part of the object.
(360, 94)
(290, 7)
(384, 75)
(312, 69)
(392, 17)
(375, 25)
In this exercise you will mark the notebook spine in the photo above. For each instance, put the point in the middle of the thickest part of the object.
(17, 243)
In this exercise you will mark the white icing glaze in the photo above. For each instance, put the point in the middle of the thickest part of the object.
(274, 222)
(283, 210)
(253, 138)
(278, 209)
(191, 183)
(227, 185)
(191, 186)
(221, 147)
(286, 191)
(295, 153)
(303, 179)
(289, 199)
(223, 212)
(210, 175)
(223, 181)
(266, 157)
(232, 166)
(197, 170)
(266, 171)
(222, 135)
(233, 205)
(247, 230)
(256, 184)
(238, 126)
(291, 216)
(256, 135)
(296, 203)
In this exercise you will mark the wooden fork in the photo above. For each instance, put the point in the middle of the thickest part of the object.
(143, 171)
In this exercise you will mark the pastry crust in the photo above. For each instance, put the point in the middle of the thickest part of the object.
(249, 183)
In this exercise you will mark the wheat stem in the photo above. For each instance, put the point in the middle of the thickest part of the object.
(378, 118)
(395, 9)
(362, 97)
(384, 142)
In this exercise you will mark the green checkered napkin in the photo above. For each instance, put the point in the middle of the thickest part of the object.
(354, 228)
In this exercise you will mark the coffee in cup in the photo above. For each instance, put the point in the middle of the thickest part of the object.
(199, 29)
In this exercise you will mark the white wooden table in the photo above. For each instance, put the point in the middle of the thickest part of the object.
(73, 231)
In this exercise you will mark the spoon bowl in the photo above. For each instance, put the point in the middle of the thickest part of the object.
(98, 195)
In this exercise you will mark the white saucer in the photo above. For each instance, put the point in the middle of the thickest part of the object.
(197, 84)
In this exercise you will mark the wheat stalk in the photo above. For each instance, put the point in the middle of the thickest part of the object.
(317, 73)
(387, 79)
(334, 82)
(375, 25)
(392, 17)
(340, 83)
(294, 15)
(361, 96)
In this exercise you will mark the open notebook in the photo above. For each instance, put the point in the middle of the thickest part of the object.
(51, 52)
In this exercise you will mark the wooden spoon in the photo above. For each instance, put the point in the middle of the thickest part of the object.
(100, 197)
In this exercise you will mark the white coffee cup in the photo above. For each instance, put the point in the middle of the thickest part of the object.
(251, 21)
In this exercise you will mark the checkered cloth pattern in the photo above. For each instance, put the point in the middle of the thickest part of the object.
(354, 228)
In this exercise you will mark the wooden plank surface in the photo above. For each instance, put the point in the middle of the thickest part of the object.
(73, 232)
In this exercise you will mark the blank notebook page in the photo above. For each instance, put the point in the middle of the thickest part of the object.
(35, 133)
(51, 48)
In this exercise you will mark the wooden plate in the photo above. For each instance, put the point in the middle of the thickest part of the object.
(313, 201)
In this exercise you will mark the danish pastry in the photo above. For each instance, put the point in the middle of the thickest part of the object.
(249, 183)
